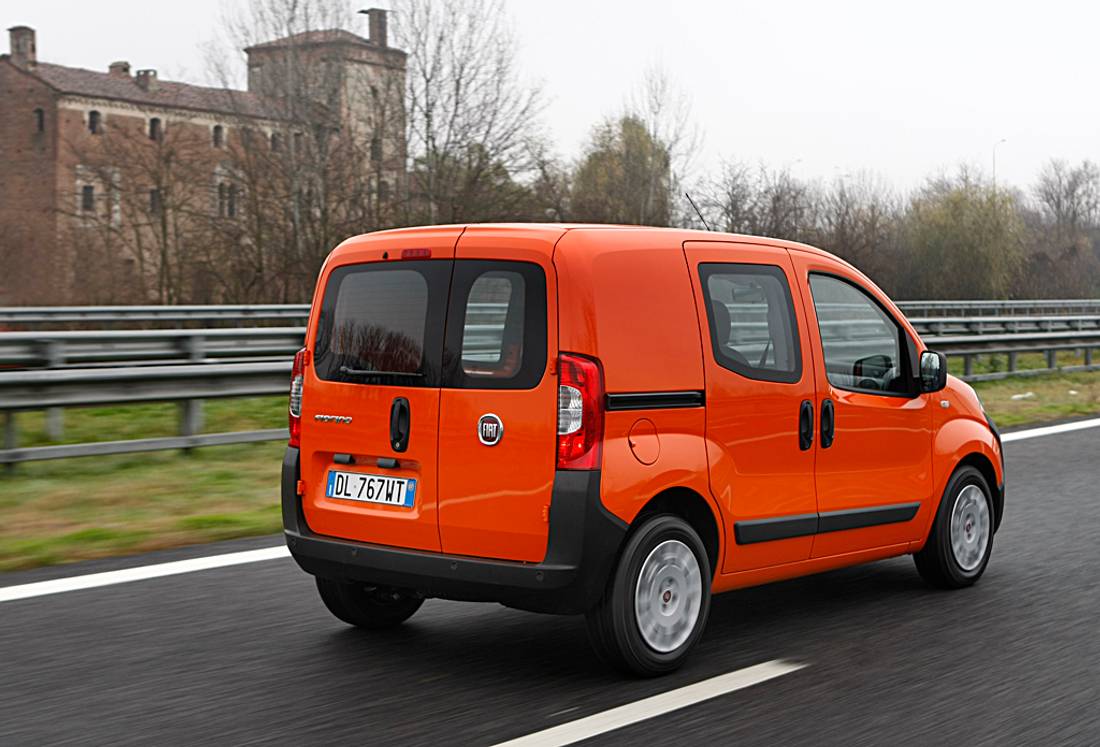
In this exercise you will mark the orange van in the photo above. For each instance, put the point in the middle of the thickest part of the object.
(619, 422)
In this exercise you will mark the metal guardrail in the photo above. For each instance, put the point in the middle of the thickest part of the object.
(1025, 307)
(42, 315)
(56, 349)
(37, 390)
(30, 315)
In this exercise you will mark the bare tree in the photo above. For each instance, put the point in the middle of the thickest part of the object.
(317, 158)
(470, 116)
(665, 111)
(760, 201)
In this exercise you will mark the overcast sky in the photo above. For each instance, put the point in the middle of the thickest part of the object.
(825, 88)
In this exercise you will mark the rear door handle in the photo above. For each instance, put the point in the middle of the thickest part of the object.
(828, 423)
(400, 417)
(806, 425)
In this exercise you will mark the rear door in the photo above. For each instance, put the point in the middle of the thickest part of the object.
(370, 407)
(760, 390)
(498, 409)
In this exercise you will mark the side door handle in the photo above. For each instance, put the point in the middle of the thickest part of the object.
(828, 423)
(400, 417)
(806, 425)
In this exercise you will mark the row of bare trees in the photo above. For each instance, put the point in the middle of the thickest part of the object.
(459, 139)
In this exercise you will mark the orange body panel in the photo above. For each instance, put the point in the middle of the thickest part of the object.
(631, 297)
(493, 501)
(756, 468)
(366, 438)
(881, 454)
(625, 298)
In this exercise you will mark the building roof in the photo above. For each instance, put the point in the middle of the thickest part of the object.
(323, 36)
(166, 94)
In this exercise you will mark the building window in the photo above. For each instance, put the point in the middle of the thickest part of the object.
(227, 200)
(219, 136)
(40, 120)
(87, 198)
(155, 202)
(94, 124)
(155, 131)
(276, 142)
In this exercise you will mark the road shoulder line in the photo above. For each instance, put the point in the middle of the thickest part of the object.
(657, 705)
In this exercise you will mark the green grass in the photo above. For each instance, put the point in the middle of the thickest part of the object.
(152, 420)
(75, 509)
(1040, 398)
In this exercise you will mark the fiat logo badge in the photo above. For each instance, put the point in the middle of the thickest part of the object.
(490, 429)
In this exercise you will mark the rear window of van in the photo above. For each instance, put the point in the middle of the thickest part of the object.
(383, 324)
(466, 324)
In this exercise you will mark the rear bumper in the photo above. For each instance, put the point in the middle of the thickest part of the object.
(583, 543)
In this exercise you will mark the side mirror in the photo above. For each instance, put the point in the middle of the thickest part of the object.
(933, 371)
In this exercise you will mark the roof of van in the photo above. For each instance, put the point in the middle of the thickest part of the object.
(553, 231)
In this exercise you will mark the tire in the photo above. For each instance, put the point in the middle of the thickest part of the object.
(661, 583)
(955, 555)
(371, 607)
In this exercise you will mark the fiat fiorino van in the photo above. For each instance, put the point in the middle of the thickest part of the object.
(618, 422)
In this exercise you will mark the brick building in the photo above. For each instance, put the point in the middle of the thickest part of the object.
(56, 175)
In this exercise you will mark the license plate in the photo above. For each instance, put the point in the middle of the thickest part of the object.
(358, 486)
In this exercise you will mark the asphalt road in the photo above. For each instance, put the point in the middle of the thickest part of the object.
(247, 654)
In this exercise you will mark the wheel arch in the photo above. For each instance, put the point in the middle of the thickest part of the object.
(693, 508)
(982, 463)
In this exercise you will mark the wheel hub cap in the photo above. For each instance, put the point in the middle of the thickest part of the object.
(970, 527)
(667, 597)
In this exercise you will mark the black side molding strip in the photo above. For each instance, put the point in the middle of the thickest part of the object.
(654, 400)
(803, 525)
(767, 530)
(858, 518)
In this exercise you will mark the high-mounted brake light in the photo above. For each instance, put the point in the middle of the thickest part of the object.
(294, 411)
(416, 253)
(580, 412)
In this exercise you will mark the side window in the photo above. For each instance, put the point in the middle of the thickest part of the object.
(752, 322)
(497, 326)
(862, 343)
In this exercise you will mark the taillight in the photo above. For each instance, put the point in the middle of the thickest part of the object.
(294, 412)
(580, 412)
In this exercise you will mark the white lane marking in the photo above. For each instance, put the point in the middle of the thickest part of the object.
(108, 578)
(140, 573)
(647, 708)
(1051, 430)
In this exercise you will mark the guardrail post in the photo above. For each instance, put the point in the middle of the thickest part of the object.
(9, 437)
(1052, 359)
(968, 364)
(55, 416)
(1012, 361)
(191, 410)
(1088, 356)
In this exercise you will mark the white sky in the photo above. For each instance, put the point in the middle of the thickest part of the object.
(825, 87)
